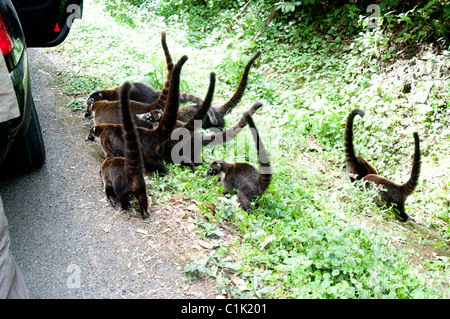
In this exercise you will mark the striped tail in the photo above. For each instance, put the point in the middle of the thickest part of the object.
(222, 110)
(132, 153)
(348, 139)
(162, 98)
(206, 103)
(411, 184)
(265, 175)
(169, 118)
(231, 133)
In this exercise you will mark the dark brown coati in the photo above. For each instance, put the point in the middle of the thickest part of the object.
(110, 139)
(395, 194)
(123, 176)
(153, 144)
(151, 141)
(243, 176)
(357, 166)
(185, 146)
(216, 114)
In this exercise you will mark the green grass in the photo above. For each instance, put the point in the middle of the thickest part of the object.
(313, 235)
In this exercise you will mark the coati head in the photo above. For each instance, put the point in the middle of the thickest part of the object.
(89, 108)
(215, 169)
(151, 119)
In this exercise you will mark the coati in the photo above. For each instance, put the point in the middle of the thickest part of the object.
(151, 140)
(357, 167)
(107, 111)
(216, 114)
(123, 176)
(151, 119)
(139, 92)
(192, 140)
(395, 194)
(243, 176)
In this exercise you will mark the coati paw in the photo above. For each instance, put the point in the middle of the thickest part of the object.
(145, 214)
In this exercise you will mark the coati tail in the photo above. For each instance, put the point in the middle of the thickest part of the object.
(133, 158)
(162, 98)
(169, 118)
(265, 169)
(411, 184)
(231, 133)
(132, 148)
(222, 110)
(206, 103)
(348, 140)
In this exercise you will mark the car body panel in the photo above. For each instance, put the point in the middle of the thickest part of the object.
(30, 23)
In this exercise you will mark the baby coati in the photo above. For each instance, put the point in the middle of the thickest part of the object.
(392, 193)
(357, 167)
(123, 176)
(216, 114)
(151, 141)
(243, 176)
(186, 140)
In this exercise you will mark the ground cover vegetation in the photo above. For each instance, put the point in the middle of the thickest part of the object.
(313, 235)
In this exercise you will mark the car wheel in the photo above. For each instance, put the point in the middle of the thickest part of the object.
(28, 152)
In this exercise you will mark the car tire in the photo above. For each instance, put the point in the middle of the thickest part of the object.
(27, 152)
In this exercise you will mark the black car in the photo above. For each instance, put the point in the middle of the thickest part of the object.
(27, 23)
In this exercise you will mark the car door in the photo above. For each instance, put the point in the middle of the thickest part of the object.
(47, 23)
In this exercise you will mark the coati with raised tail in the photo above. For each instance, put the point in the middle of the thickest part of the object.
(196, 140)
(139, 92)
(107, 111)
(357, 166)
(216, 114)
(395, 194)
(243, 176)
(151, 140)
(153, 144)
(123, 176)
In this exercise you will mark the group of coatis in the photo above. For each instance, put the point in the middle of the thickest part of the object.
(137, 128)
(140, 129)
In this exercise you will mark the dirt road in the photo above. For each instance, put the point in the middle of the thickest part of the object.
(67, 240)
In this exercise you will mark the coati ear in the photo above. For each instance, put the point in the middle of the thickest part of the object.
(219, 166)
(158, 115)
(100, 95)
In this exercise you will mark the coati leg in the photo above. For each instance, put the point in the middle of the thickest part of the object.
(245, 196)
